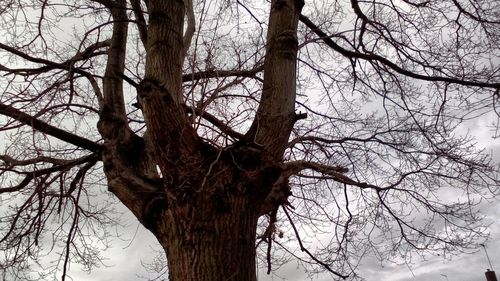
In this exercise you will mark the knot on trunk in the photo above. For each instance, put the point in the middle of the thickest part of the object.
(262, 182)
(153, 210)
(148, 87)
(245, 155)
(110, 124)
(286, 44)
(277, 196)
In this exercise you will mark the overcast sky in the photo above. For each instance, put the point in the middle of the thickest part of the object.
(124, 262)
(124, 259)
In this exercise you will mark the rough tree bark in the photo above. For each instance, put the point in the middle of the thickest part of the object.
(205, 207)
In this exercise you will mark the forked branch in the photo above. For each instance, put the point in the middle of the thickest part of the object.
(304, 249)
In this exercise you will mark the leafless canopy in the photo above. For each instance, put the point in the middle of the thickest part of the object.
(381, 156)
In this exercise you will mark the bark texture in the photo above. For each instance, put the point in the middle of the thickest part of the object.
(205, 206)
(217, 239)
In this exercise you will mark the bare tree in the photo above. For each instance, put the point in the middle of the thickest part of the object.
(235, 130)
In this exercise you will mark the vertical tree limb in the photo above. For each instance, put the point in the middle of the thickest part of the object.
(174, 140)
(141, 21)
(276, 113)
(190, 29)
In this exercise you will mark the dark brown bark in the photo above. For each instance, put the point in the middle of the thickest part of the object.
(130, 171)
(175, 142)
(207, 225)
(204, 209)
(213, 239)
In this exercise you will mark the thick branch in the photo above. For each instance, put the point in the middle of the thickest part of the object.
(10, 161)
(336, 173)
(190, 29)
(49, 129)
(294, 167)
(375, 137)
(113, 113)
(221, 73)
(160, 93)
(275, 116)
(89, 52)
(225, 128)
(141, 21)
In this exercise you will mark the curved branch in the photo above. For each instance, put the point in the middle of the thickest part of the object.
(376, 58)
(113, 108)
(225, 128)
(89, 52)
(10, 161)
(304, 249)
(222, 73)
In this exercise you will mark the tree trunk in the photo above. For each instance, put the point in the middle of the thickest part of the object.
(214, 245)
(208, 227)
(204, 208)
